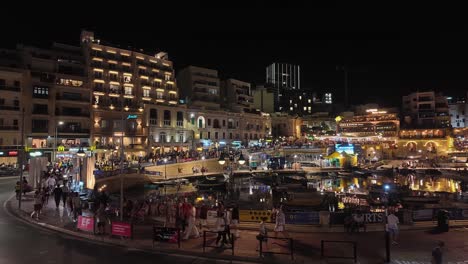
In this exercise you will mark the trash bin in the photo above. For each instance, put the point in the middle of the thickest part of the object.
(443, 221)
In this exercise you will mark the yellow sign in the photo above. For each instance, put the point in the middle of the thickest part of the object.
(60, 148)
(93, 147)
(27, 149)
(254, 215)
(338, 119)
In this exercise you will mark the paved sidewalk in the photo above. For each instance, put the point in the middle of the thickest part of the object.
(415, 245)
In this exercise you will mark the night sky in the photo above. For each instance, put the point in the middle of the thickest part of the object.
(388, 54)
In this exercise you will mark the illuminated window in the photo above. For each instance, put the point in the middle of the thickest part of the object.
(128, 90)
(113, 88)
(146, 93)
(159, 95)
(98, 74)
(213, 91)
(70, 82)
(127, 79)
(41, 90)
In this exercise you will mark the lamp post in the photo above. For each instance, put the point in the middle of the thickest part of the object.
(387, 233)
(203, 165)
(165, 168)
(80, 155)
(121, 134)
(55, 140)
(295, 165)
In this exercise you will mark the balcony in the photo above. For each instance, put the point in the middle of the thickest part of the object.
(66, 98)
(425, 99)
(10, 88)
(180, 123)
(40, 96)
(44, 77)
(70, 113)
(167, 122)
(125, 59)
(8, 128)
(9, 108)
(96, 64)
(40, 130)
(153, 122)
(70, 130)
(40, 112)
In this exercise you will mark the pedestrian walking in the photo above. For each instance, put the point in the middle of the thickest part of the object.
(262, 236)
(57, 195)
(437, 253)
(65, 191)
(37, 204)
(235, 220)
(76, 206)
(223, 230)
(101, 219)
(280, 223)
(191, 229)
(18, 189)
(392, 227)
(45, 195)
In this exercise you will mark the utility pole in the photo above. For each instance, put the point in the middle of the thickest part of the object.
(121, 160)
(22, 155)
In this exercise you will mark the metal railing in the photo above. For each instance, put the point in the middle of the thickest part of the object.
(322, 249)
(165, 234)
(230, 238)
(10, 88)
(291, 246)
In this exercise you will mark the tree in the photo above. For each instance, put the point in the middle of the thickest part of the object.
(325, 126)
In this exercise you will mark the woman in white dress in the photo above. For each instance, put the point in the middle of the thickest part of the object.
(280, 223)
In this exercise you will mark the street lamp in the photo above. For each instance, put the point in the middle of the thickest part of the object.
(81, 155)
(241, 159)
(387, 233)
(165, 168)
(295, 165)
(221, 159)
(121, 134)
(55, 140)
(203, 165)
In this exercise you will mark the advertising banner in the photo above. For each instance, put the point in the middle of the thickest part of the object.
(85, 223)
(121, 229)
(422, 215)
(302, 218)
